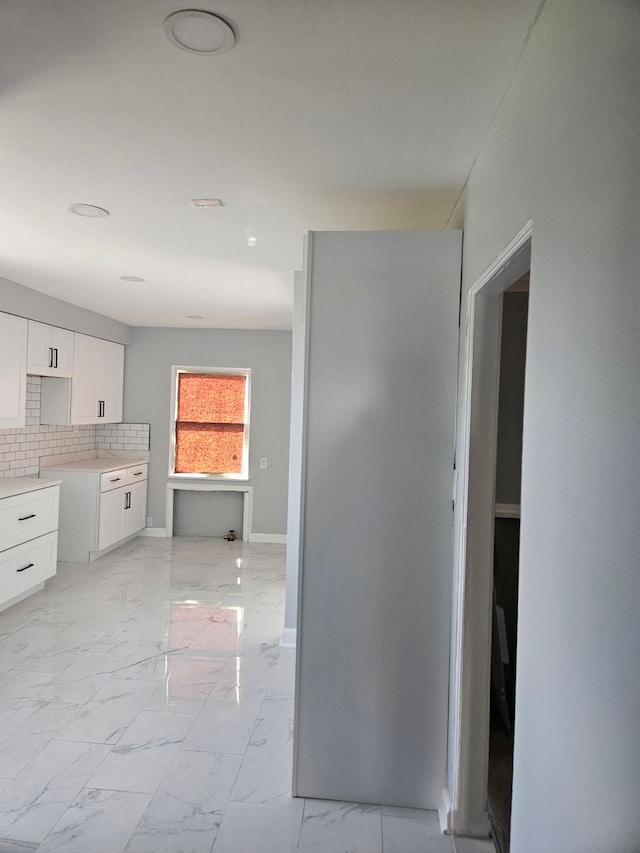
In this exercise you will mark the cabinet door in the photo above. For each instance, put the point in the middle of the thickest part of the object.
(110, 524)
(13, 371)
(84, 388)
(62, 346)
(110, 380)
(136, 511)
(39, 350)
(49, 350)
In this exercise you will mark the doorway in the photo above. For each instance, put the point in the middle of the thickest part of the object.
(506, 553)
(464, 810)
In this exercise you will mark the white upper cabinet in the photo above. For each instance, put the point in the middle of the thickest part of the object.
(110, 380)
(94, 394)
(50, 350)
(13, 371)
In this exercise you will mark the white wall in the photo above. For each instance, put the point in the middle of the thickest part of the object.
(295, 457)
(563, 150)
(147, 393)
(375, 581)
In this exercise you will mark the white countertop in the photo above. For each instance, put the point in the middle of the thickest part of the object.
(97, 465)
(11, 486)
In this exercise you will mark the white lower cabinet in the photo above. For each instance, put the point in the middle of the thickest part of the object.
(122, 513)
(99, 509)
(28, 538)
(26, 566)
(135, 513)
(111, 515)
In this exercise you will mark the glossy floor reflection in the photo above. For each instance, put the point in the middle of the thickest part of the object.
(146, 707)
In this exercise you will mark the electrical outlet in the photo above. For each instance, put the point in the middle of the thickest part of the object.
(263, 462)
(149, 521)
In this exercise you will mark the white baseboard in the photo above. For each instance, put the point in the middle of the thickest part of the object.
(269, 538)
(158, 532)
(478, 828)
(444, 812)
(288, 638)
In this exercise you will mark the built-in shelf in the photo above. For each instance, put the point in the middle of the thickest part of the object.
(507, 511)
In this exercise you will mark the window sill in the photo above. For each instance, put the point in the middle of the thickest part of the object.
(208, 478)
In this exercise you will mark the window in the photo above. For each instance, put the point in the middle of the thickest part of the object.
(211, 418)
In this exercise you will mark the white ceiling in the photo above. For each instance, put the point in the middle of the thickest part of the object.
(327, 114)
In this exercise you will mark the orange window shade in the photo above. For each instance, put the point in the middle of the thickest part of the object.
(207, 398)
(209, 448)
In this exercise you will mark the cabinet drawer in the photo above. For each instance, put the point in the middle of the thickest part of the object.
(137, 473)
(27, 565)
(113, 480)
(24, 517)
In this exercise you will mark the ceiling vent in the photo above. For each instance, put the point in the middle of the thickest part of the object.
(199, 32)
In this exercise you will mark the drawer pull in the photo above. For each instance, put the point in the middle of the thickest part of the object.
(25, 517)
(115, 480)
(138, 473)
(25, 568)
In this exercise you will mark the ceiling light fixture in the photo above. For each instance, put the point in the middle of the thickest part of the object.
(131, 278)
(207, 202)
(90, 210)
(199, 32)
(252, 241)
(194, 316)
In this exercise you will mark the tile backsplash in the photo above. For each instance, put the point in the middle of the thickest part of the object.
(122, 437)
(22, 449)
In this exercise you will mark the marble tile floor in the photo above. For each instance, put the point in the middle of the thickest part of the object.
(146, 707)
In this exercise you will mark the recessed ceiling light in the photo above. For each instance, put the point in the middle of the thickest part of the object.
(199, 32)
(87, 210)
(207, 202)
(252, 241)
(194, 316)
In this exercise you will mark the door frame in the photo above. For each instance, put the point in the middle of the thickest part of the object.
(463, 810)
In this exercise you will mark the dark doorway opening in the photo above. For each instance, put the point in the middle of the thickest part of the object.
(515, 306)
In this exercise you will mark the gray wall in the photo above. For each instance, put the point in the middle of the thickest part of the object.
(147, 393)
(563, 150)
(513, 352)
(25, 302)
